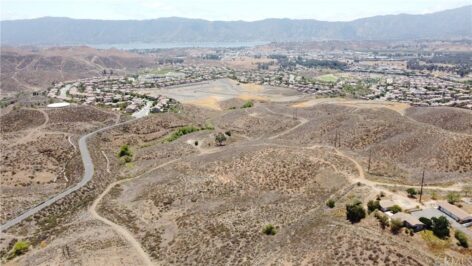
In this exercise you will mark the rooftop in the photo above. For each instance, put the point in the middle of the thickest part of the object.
(458, 212)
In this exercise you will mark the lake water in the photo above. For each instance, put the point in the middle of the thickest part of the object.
(140, 45)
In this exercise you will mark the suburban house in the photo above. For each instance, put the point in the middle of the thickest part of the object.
(455, 212)
(386, 204)
(409, 221)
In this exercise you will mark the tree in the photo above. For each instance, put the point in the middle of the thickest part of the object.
(269, 230)
(427, 222)
(331, 203)
(373, 205)
(411, 192)
(248, 104)
(440, 227)
(81, 87)
(355, 212)
(20, 248)
(124, 151)
(453, 197)
(382, 218)
(462, 238)
(220, 138)
(396, 225)
(395, 208)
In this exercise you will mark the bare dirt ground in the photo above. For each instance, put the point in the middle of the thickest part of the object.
(27, 69)
(39, 154)
(191, 201)
(210, 94)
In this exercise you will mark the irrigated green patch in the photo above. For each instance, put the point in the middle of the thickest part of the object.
(329, 78)
(158, 71)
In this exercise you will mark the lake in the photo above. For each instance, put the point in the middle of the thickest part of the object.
(142, 45)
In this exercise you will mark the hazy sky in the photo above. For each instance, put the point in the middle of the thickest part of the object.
(332, 10)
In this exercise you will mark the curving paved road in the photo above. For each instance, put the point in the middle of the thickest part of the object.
(88, 174)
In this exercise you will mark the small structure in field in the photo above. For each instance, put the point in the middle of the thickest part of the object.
(409, 221)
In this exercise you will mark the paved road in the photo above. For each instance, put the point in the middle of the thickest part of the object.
(144, 111)
(88, 173)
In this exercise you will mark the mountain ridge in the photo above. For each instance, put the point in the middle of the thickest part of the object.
(448, 24)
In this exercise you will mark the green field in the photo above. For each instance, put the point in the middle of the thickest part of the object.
(158, 71)
(327, 78)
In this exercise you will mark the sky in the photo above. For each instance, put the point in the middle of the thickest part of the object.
(248, 10)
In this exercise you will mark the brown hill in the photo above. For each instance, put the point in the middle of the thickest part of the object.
(29, 69)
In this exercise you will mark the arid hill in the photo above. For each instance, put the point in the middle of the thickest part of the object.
(29, 69)
(188, 200)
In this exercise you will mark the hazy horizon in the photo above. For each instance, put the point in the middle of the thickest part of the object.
(244, 10)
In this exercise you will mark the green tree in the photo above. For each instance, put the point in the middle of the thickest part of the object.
(411, 192)
(453, 197)
(20, 248)
(373, 205)
(395, 208)
(81, 87)
(440, 227)
(427, 222)
(124, 151)
(248, 104)
(355, 212)
(269, 230)
(462, 238)
(396, 225)
(220, 138)
(331, 203)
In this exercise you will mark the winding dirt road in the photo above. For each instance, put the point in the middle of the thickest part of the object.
(120, 229)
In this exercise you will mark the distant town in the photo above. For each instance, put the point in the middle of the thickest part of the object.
(396, 77)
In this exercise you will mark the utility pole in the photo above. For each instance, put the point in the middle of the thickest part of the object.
(339, 140)
(335, 138)
(422, 182)
(370, 158)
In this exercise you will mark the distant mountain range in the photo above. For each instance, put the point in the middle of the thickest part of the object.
(448, 24)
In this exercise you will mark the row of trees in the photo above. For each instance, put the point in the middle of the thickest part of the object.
(452, 197)
(287, 63)
(461, 69)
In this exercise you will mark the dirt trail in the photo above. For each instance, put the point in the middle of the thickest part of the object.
(361, 177)
(409, 202)
(120, 229)
(301, 119)
(108, 162)
(28, 137)
(71, 143)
